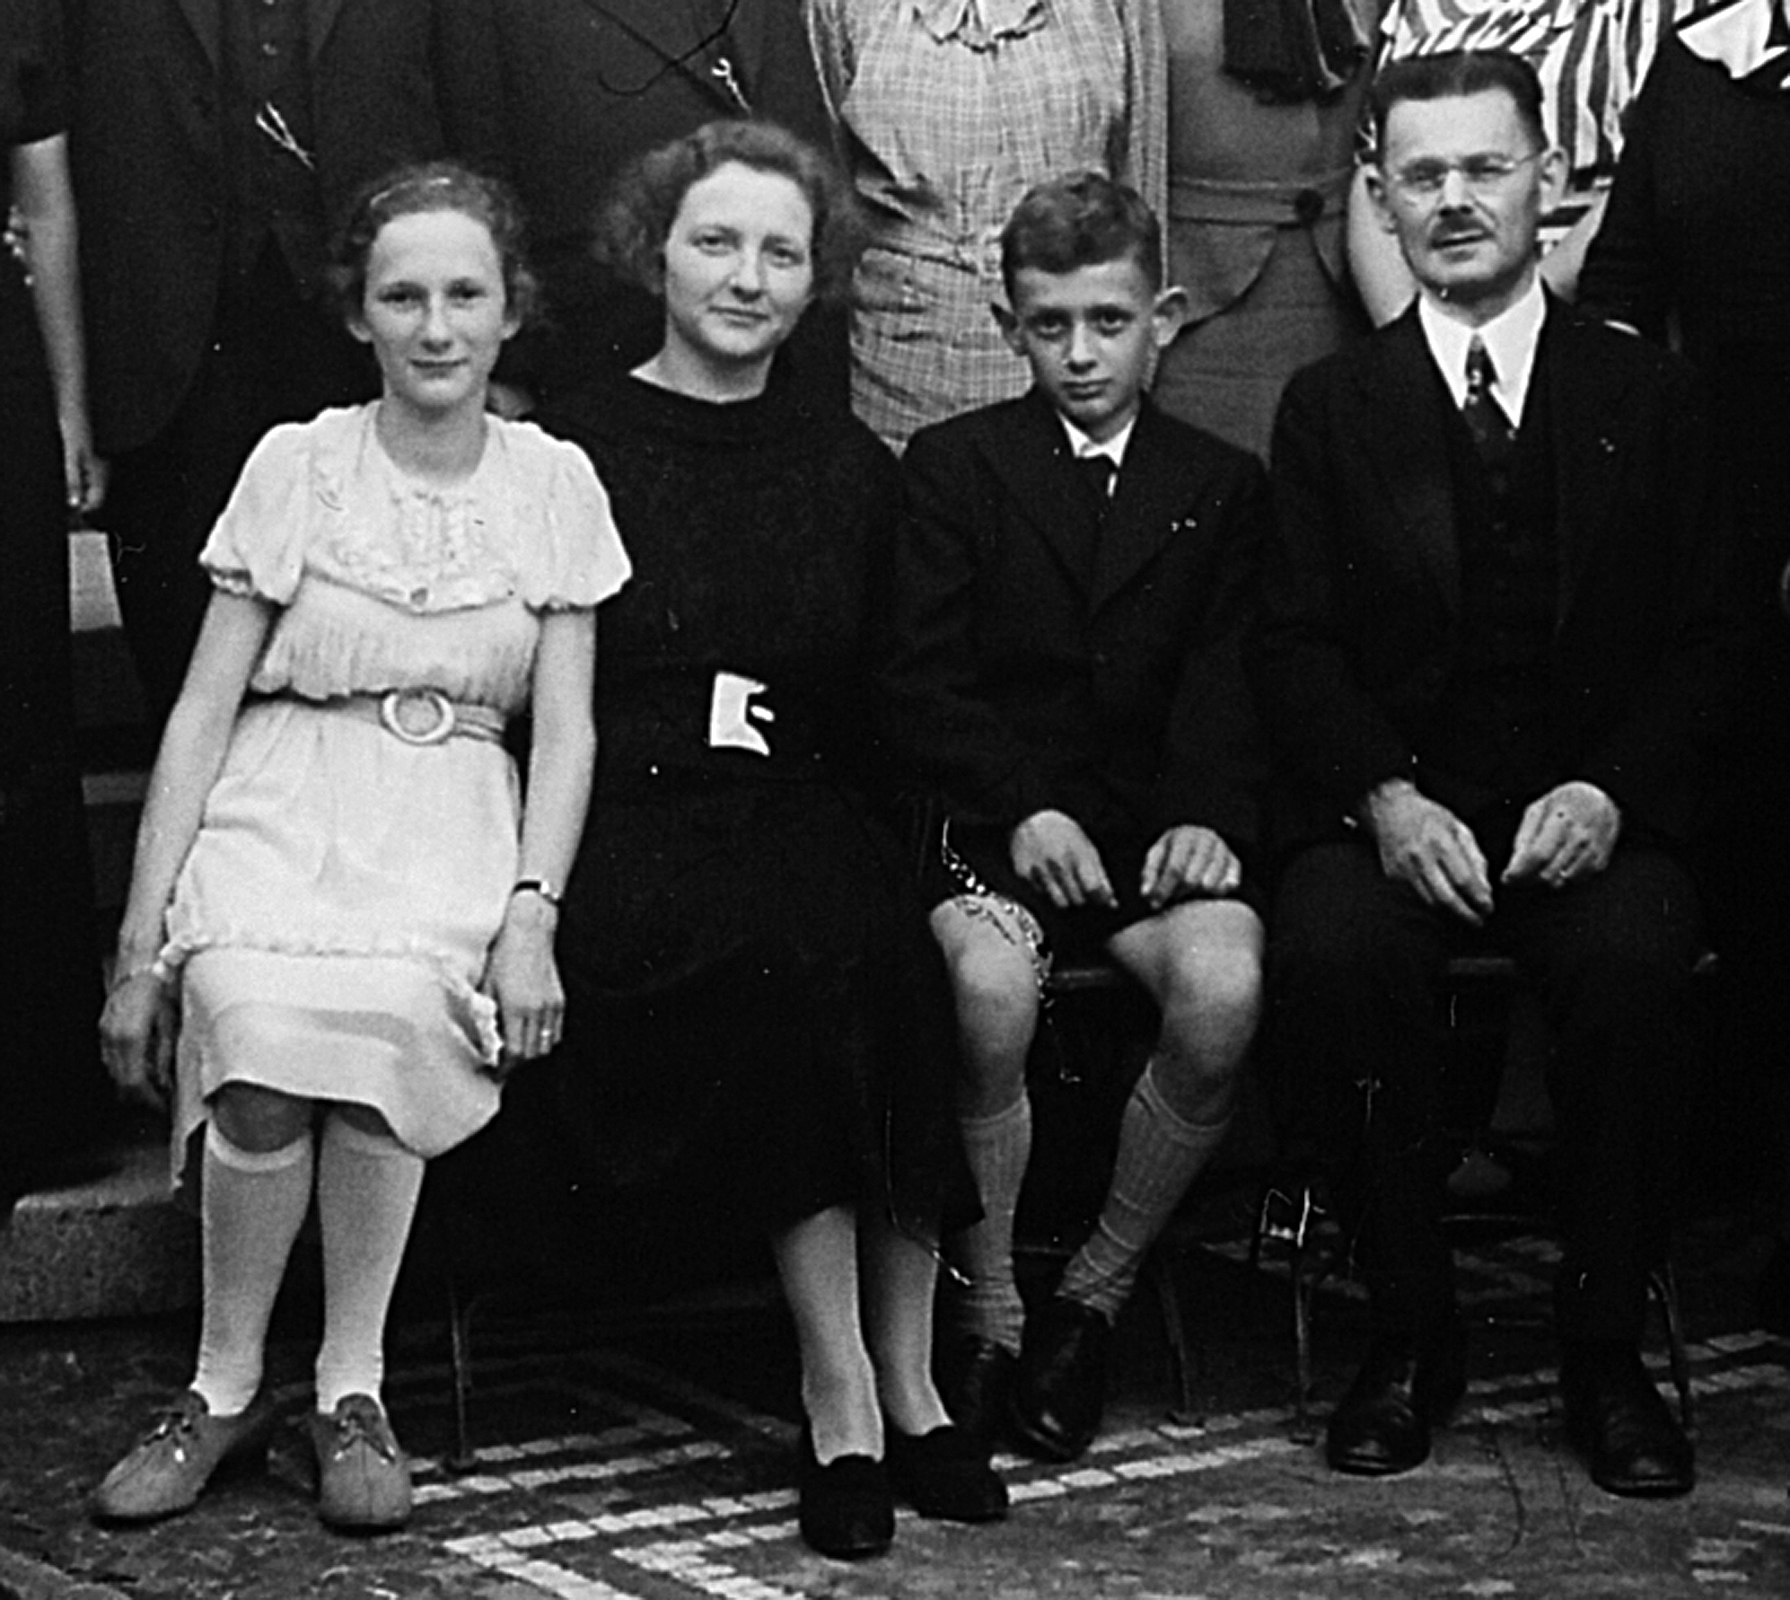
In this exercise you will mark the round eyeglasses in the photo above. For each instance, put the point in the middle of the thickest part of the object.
(1482, 174)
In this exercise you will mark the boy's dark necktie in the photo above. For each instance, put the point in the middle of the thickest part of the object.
(1098, 473)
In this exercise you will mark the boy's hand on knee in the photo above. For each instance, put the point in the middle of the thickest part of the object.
(1186, 861)
(1050, 851)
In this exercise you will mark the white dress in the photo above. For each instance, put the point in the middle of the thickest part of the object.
(332, 920)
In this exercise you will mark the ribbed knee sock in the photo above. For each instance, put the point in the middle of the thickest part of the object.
(999, 1148)
(251, 1206)
(367, 1188)
(1159, 1155)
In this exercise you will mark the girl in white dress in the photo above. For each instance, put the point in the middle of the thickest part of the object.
(335, 878)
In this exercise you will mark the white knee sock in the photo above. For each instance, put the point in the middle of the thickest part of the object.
(999, 1149)
(251, 1206)
(1159, 1155)
(367, 1187)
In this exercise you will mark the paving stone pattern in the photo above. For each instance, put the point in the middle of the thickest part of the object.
(653, 1461)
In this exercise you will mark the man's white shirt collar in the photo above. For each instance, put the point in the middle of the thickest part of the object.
(1510, 338)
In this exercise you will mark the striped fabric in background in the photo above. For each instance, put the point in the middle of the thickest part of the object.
(1591, 55)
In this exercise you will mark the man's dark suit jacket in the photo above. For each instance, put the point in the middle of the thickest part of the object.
(1016, 685)
(1360, 617)
(148, 161)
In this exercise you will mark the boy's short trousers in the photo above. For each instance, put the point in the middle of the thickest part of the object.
(978, 861)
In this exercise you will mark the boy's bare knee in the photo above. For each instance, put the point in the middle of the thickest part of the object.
(1222, 981)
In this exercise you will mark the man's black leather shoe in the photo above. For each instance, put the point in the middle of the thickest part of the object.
(1407, 1385)
(1616, 1419)
(1059, 1391)
(975, 1379)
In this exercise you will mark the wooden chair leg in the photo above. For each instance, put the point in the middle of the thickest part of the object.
(1286, 1217)
(460, 1309)
(1174, 1327)
(1663, 1283)
(1305, 1282)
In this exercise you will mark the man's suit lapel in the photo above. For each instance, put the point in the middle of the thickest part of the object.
(1142, 515)
(1586, 395)
(204, 17)
(319, 19)
(1400, 434)
(1037, 466)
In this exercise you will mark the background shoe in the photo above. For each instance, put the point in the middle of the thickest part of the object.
(975, 1380)
(847, 1509)
(1407, 1385)
(1059, 1391)
(1616, 1419)
(169, 1467)
(945, 1473)
(363, 1480)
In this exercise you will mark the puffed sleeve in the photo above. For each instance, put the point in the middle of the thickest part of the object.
(573, 555)
(258, 545)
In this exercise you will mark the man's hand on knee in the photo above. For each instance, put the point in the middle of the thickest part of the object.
(1426, 846)
(1189, 860)
(1567, 835)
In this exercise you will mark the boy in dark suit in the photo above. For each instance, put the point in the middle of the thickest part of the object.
(1069, 595)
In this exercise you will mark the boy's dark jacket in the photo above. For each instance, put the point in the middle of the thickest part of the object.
(1015, 685)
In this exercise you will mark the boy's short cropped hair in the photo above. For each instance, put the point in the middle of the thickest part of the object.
(1080, 220)
(1457, 74)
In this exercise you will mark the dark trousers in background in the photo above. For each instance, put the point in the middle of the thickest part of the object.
(1356, 964)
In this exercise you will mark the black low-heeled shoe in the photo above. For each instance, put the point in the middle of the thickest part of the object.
(847, 1508)
(945, 1473)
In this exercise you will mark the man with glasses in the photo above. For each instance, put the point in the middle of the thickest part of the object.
(1492, 657)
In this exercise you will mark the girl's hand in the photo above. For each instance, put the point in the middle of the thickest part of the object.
(523, 979)
(136, 1035)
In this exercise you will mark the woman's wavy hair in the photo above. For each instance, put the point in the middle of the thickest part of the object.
(432, 186)
(636, 218)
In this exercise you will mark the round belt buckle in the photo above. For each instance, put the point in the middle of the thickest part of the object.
(417, 716)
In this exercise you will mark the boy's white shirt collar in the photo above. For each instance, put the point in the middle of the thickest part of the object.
(1081, 446)
(1510, 339)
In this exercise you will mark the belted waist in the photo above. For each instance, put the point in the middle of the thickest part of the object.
(971, 249)
(1276, 205)
(416, 716)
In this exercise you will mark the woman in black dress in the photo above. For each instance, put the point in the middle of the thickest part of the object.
(53, 1094)
(756, 1019)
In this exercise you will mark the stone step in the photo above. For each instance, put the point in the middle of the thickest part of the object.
(111, 1244)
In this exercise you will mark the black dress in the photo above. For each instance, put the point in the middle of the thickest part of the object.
(53, 1094)
(757, 1022)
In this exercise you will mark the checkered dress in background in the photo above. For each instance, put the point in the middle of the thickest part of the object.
(949, 110)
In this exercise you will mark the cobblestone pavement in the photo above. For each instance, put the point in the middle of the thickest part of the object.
(653, 1460)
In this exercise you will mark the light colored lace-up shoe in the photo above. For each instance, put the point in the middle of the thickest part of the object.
(169, 1467)
(363, 1480)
